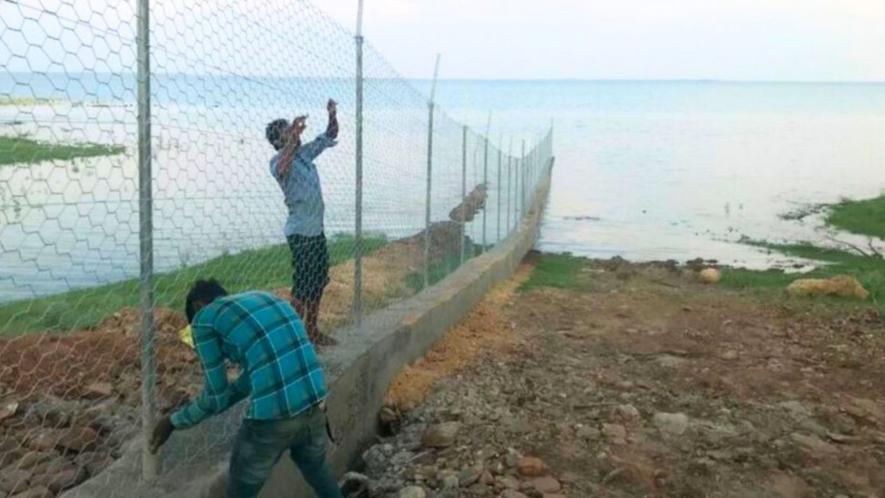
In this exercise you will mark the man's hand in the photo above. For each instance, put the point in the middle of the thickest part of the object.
(332, 107)
(299, 124)
(162, 431)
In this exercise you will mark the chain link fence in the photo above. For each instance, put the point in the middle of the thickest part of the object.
(96, 258)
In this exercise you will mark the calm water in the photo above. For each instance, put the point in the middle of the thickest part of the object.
(658, 170)
(645, 170)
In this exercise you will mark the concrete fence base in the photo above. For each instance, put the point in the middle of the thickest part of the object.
(359, 371)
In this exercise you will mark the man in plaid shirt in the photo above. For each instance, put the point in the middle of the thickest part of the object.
(280, 372)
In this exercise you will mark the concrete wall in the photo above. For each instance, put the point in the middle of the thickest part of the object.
(359, 371)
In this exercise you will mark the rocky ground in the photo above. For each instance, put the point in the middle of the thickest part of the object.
(638, 380)
(69, 401)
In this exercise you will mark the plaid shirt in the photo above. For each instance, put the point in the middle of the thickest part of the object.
(263, 334)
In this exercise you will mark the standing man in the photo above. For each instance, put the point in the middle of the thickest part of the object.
(262, 334)
(293, 168)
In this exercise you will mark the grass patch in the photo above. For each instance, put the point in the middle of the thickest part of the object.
(869, 271)
(265, 268)
(555, 270)
(15, 150)
(10, 100)
(864, 217)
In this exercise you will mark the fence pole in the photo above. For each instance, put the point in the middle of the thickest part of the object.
(485, 179)
(358, 192)
(498, 197)
(463, 192)
(522, 172)
(146, 241)
(509, 182)
(430, 105)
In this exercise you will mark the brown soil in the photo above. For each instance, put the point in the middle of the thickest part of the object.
(485, 332)
(782, 397)
(78, 371)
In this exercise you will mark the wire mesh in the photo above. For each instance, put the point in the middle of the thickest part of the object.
(227, 204)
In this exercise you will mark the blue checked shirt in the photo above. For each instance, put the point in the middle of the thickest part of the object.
(263, 334)
(302, 190)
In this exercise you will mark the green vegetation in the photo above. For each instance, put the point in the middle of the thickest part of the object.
(869, 271)
(555, 270)
(24, 150)
(11, 100)
(866, 217)
(266, 268)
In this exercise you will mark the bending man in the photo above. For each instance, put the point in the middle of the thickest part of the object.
(262, 334)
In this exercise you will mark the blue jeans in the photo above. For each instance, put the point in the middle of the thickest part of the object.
(261, 443)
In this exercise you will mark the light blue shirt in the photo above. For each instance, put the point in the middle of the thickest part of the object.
(302, 190)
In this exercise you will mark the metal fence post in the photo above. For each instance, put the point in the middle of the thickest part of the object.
(358, 192)
(430, 105)
(146, 241)
(498, 198)
(509, 182)
(463, 192)
(522, 174)
(485, 179)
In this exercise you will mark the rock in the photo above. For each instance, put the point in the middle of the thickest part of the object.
(9, 457)
(615, 433)
(508, 482)
(51, 412)
(628, 412)
(545, 485)
(864, 409)
(587, 433)
(98, 390)
(487, 478)
(840, 285)
(78, 439)
(512, 493)
(669, 361)
(814, 445)
(729, 355)
(479, 490)
(412, 492)
(569, 477)
(450, 482)
(13, 480)
(376, 460)
(552, 495)
(33, 458)
(469, 476)
(441, 435)
(390, 421)
(710, 276)
(61, 480)
(797, 410)
(37, 492)
(45, 439)
(531, 467)
(8, 409)
(355, 485)
(93, 462)
(674, 424)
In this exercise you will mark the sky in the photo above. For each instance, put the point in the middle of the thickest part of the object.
(743, 40)
(760, 40)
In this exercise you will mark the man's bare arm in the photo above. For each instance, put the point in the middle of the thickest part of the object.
(293, 142)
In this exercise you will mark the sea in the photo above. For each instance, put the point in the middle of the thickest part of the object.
(644, 170)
